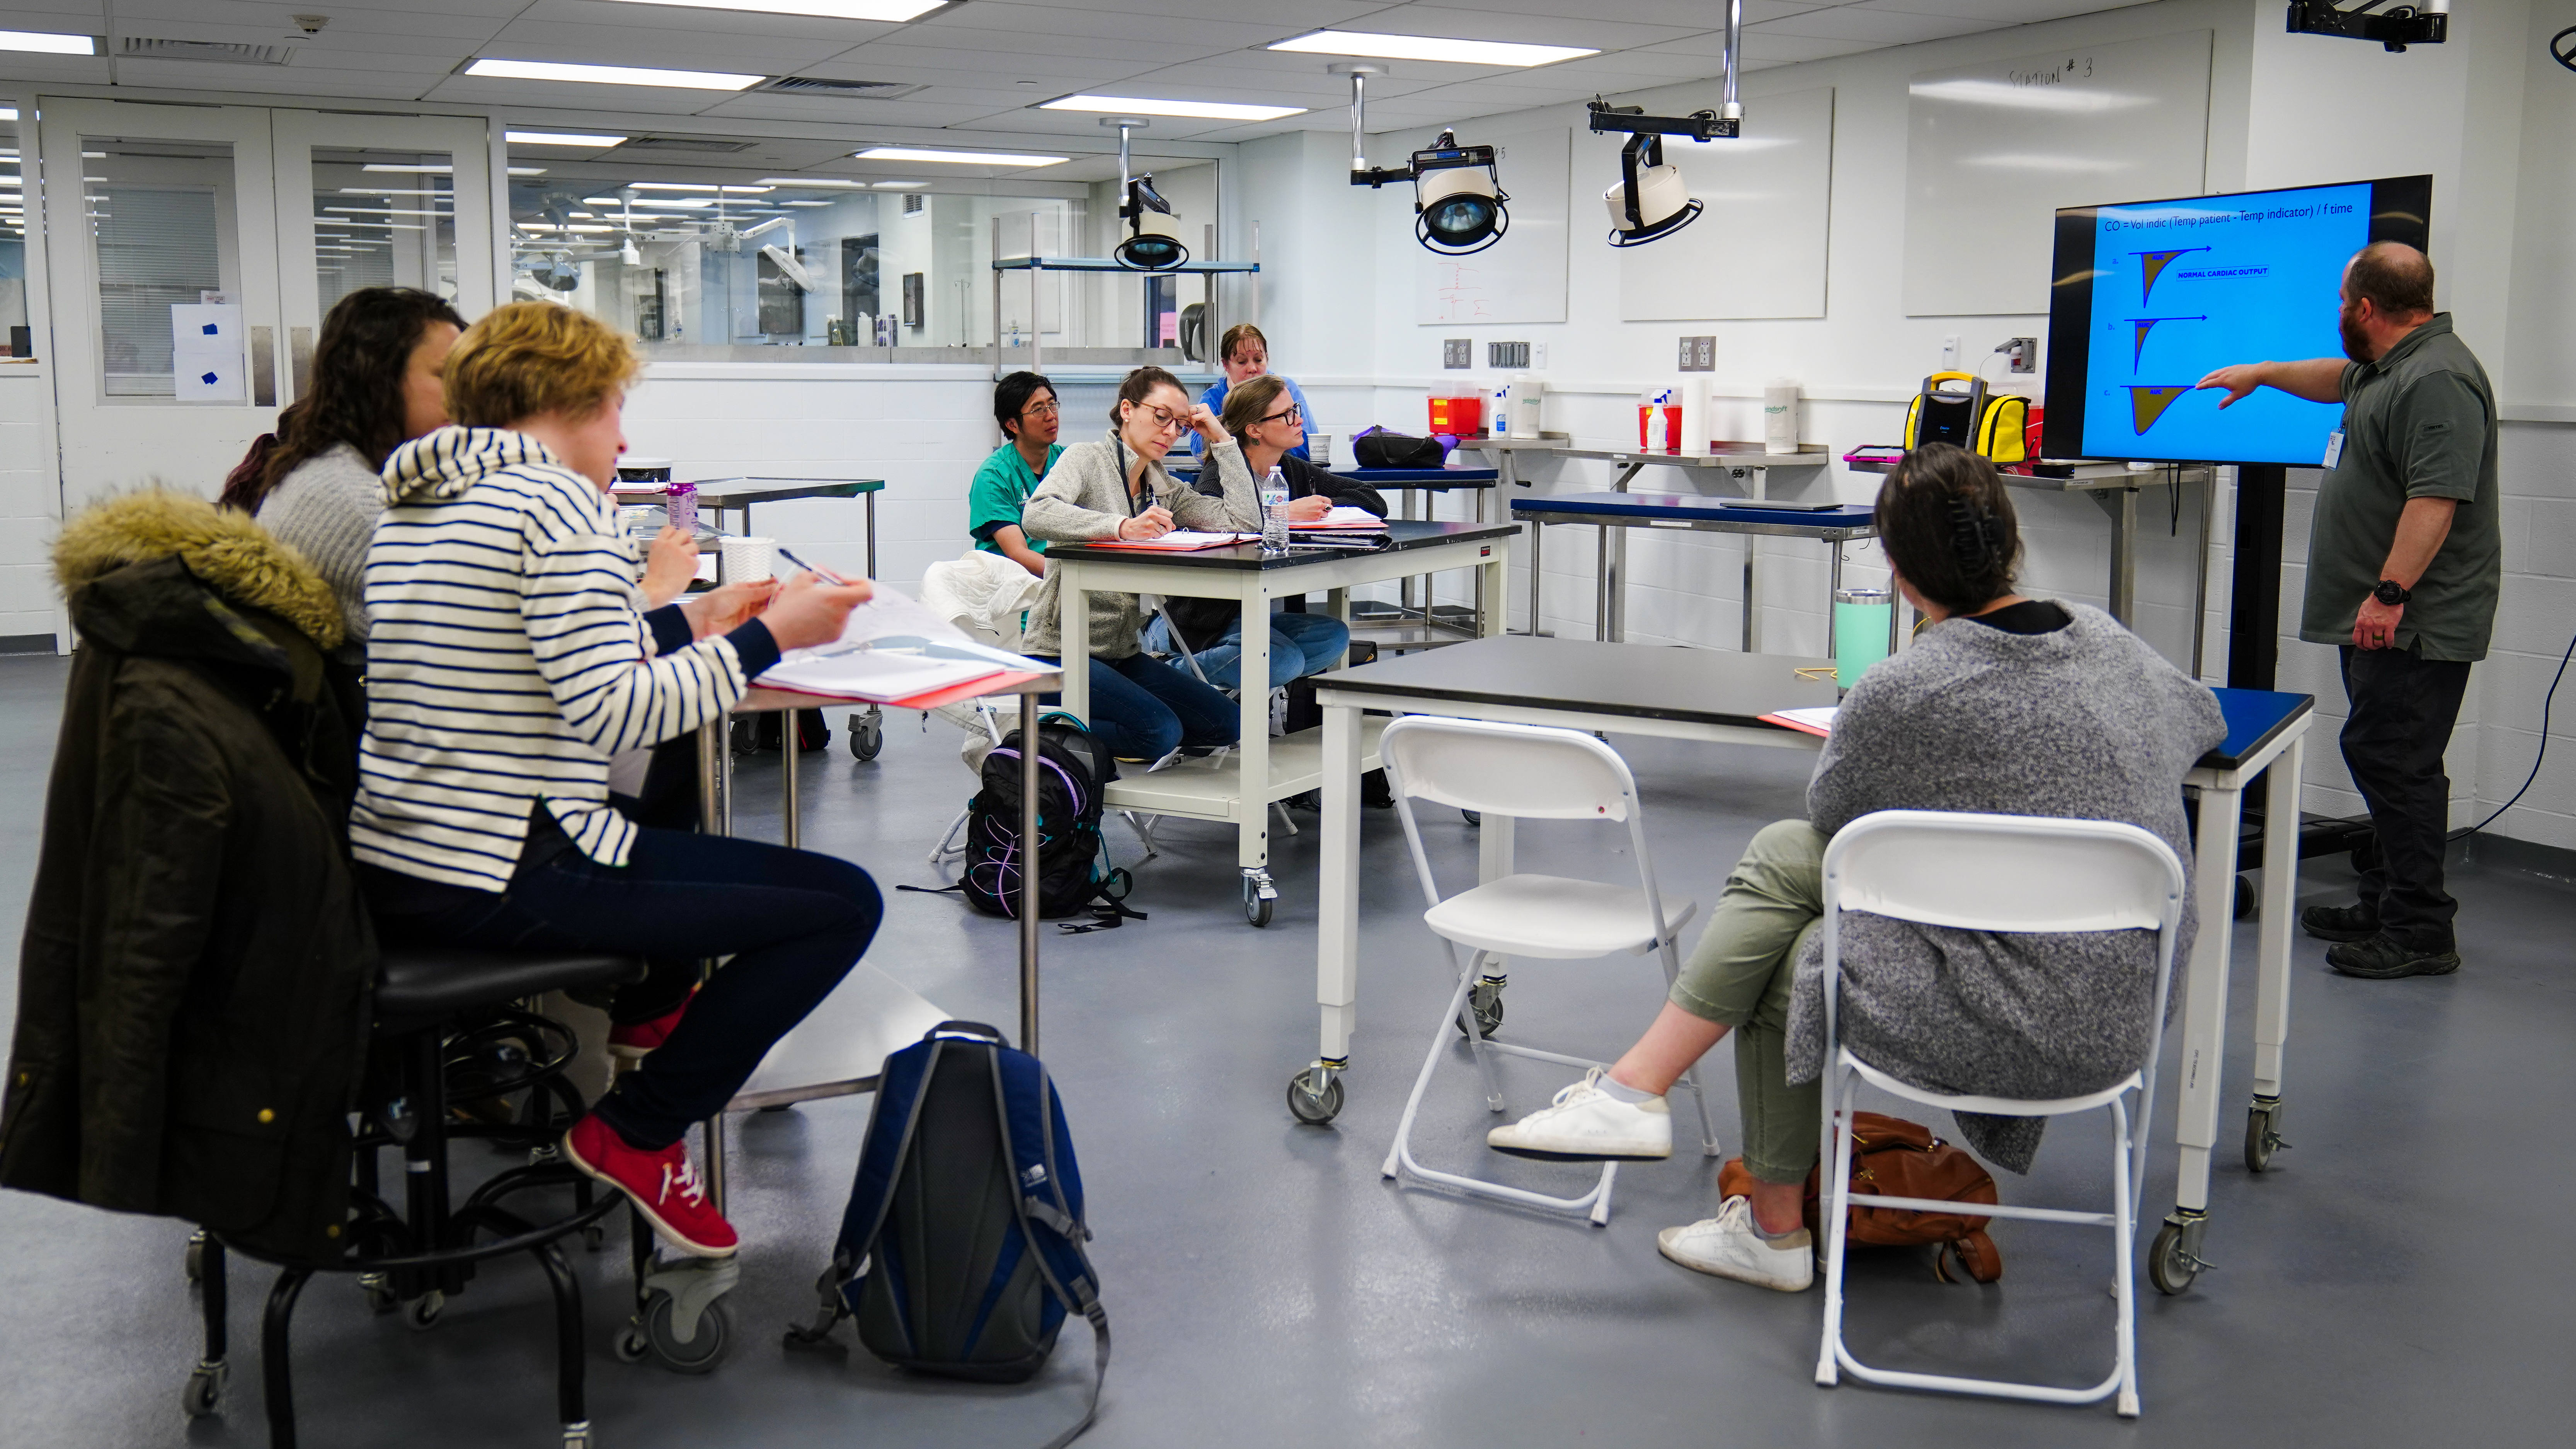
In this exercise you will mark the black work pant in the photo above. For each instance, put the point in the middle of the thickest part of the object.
(2403, 707)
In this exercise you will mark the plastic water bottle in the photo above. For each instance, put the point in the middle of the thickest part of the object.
(1274, 512)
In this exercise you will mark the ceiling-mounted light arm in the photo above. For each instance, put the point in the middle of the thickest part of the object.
(1729, 108)
(1644, 149)
(1362, 173)
(1698, 125)
(2395, 28)
(1142, 251)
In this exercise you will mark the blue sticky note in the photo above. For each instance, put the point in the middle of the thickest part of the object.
(209, 379)
(211, 329)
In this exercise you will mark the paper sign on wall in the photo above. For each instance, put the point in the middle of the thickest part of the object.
(206, 352)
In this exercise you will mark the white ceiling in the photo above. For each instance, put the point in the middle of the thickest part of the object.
(984, 64)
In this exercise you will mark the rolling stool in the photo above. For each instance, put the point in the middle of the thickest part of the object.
(446, 1032)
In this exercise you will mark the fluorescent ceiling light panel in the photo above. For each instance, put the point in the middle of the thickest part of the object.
(805, 203)
(810, 183)
(9, 113)
(1210, 110)
(888, 10)
(612, 75)
(1431, 47)
(694, 186)
(961, 158)
(898, 185)
(562, 138)
(46, 42)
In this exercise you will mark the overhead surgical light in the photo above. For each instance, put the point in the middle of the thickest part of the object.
(1651, 199)
(1142, 251)
(1458, 196)
(2394, 27)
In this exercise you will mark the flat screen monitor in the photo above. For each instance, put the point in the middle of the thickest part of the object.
(2152, 296)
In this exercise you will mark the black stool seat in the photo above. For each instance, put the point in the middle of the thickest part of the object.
(422, 985)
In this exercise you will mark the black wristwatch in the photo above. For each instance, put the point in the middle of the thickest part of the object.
(2388, 593)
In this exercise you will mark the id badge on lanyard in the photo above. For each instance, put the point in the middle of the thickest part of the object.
(2334, 447)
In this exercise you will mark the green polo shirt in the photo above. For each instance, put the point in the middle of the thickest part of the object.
(1000, 490)
(2418, 423)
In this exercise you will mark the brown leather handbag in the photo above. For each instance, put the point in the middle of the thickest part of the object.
(1897, 1158)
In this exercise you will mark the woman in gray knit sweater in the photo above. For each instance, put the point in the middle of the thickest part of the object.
(2005, 705)
(376, 380)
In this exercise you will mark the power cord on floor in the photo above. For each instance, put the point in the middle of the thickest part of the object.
(2546, 702)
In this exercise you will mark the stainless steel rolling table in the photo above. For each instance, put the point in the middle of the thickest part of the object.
(1238, 785)
(1616, 513)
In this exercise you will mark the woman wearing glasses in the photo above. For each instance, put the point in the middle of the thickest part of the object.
(1265, 418)
(1115, 487)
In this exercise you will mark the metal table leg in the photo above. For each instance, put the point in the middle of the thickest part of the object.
(1029, 878)
(2204, 1015)
(2272, 935)
(1252, 752)
(1315, 1094)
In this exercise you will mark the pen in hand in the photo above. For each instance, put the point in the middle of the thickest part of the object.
(826, 575)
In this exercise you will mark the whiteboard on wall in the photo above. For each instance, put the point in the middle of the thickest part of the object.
(1994, 149)
(1759, 248)
(1522, 277)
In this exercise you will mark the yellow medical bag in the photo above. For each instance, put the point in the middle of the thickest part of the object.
(1970, 417)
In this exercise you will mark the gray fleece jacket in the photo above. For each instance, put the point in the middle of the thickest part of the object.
(2085, 723)
(1085, 498)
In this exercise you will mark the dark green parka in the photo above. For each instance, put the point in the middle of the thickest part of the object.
(192, 990)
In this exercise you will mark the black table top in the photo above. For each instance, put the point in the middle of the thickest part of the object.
(1248, 556)
(1429, 480)
(1645, 681)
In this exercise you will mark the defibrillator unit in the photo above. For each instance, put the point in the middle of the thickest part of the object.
(1992, 424)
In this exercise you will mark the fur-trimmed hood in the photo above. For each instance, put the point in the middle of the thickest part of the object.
(228, 552)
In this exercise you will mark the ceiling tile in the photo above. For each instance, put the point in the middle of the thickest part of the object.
(606, 15)
(1208, 34)
(674, 49)
(925, 109)
(1691, 14)
(1863, 22)
(2000, 13)
(1555, 29)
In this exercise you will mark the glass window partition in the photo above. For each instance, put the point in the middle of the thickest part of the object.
(160, 216)
(13, 237)
(383, 218)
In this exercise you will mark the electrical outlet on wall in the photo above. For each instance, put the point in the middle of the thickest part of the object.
(1699, 354)
(1457, 353)
(2024, 352)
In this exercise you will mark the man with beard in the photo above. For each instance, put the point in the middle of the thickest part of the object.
(2404, 566)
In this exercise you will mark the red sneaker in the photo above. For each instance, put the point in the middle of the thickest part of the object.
(634, 1039)
(662, 1185)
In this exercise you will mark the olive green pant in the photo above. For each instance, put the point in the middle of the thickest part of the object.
(1739, 975)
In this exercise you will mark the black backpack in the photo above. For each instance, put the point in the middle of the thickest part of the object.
(961, 1251)
(1072, 769)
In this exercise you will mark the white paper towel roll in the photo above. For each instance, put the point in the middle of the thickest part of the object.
(748, 560)
(1780, 416)
(1697, 427)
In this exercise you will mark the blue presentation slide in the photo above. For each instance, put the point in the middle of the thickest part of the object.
(2181, 288)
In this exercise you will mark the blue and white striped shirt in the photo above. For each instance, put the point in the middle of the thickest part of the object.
(508, 661)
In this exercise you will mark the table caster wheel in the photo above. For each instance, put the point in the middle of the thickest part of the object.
(1259, 896)
(1472, 817)
(701, 1350)
(204, 1393)
(1487, 1002)
(1310, 1106)
(2262, 1135)
(2170, 1266)
(380, 1297)
(2246, 900)
(867, 737)
(630, 1345)
(422, 1312)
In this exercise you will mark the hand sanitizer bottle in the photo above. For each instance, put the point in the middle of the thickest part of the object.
(1274, 512)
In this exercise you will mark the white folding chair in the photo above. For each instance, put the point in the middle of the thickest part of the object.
(2014, 873)
(1536, 773)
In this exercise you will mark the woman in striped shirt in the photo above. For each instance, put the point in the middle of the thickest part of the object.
(509, 659)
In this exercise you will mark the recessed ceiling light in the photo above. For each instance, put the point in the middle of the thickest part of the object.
(612, 75)
(424, 169)
(9, 113)
(961, 158)
(898, 185)
(814, 183)
(1211, 110)
(1431, 47)
(805, 203)
(694, 186)
(562, 138)
(48, 43)
(828, 9)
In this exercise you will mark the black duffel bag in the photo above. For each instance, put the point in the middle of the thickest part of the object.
(1378, 448)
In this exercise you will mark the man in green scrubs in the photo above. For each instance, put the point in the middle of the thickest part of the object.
(2405, 561)
(1024, 404)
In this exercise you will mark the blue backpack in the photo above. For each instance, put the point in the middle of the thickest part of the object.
(961, 1251)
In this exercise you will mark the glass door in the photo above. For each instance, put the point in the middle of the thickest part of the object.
(161, 228)
(378, 201)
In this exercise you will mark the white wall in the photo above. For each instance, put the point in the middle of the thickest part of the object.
(30, 501)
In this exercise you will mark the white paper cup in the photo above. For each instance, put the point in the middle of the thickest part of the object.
(748, 560)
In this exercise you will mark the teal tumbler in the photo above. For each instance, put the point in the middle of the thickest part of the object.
(1864, 631)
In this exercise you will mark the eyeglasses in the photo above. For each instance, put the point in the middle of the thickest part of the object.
(1040, 410)
(1290, 416)
(1165, 422)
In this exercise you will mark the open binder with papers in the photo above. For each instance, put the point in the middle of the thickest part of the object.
(893, 648)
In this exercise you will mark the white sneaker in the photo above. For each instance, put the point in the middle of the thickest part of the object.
(1587, 1124)
(1726, 1246)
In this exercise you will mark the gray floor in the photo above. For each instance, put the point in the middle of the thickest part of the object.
(2391, 1281)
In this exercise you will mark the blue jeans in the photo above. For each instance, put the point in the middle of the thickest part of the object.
(793, 921)
(1141, 708)
(1300, 644)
